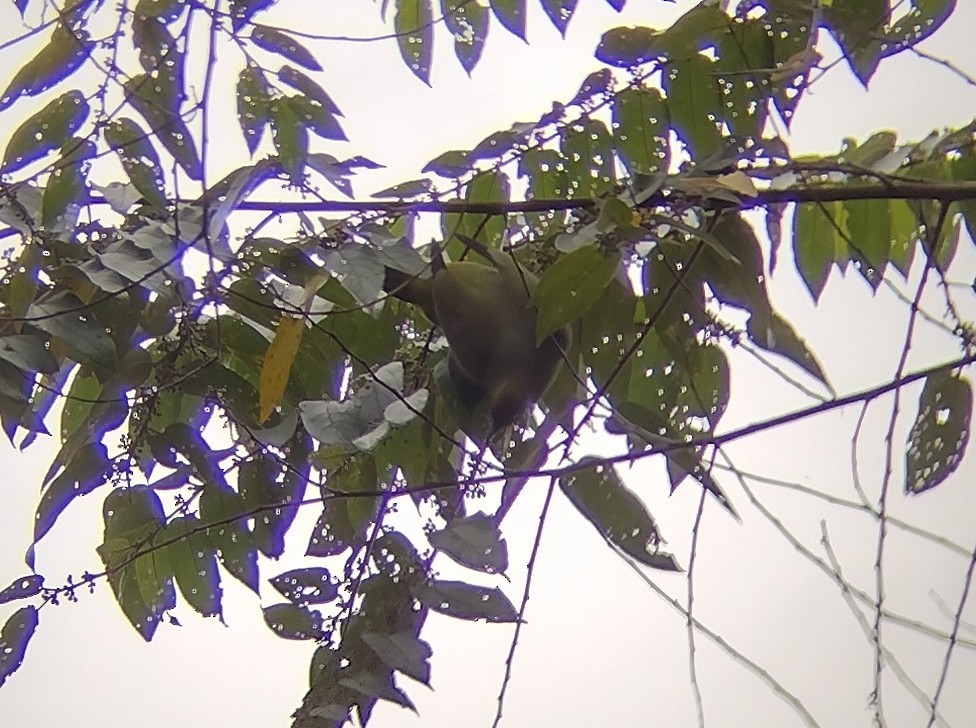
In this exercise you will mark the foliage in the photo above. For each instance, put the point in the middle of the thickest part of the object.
(161, 324)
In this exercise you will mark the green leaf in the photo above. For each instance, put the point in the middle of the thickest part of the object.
(922, 19)
(159, 55)
(253, 105)
(160, 107)
(869, 225)
(66, 186)
(468, 23)
(45, 130)
(63, 316)
(492, 186)
(560, 12)
(467, 601)
(14, 637)
(511, 14)
(640, 130)
(21, 282)
(600, 495)
(373, 686)
(904, 235)
(319, 119)
(818, 239)
(278, 498)
(223, 513)
(28, 352)
(452, 164)
(310, 89)
(694, 31)
(745, 56)
(938, 439)
(67, 50)
(139, 572)
(570, 287)
(292, 622)
(414, 26)
(138, 157)
(777, 335)
(193, 561)
(276, 41)
(695, 102)
(588, 151)
(475, 542)
(166, 10)
(290, 136)
(242, 11)
(856, 25)
(547, 180)
(311, 585)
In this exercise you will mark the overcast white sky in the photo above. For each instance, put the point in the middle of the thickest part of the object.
(600, 648)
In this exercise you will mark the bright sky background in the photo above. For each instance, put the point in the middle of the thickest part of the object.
(599, 648)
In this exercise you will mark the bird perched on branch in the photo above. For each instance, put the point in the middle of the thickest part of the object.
(490, 325)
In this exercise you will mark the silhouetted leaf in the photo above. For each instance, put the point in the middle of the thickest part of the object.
(467, 601)
(45, 130)
(937, 442)
(620, 517)
(26, 586)
(292, 622)
(475, 542)
(17, 632)
(253, 105)
(285, 46)
(402, 651)
(311, 585)
(67, 50)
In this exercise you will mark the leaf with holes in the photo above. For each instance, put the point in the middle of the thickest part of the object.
(312, 585)
(468, 23)
(938, 438)
(22, 588)
(45, 130)
(474, 542)
(600, 495)
(16, 633)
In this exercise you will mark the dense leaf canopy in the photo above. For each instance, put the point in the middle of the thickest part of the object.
(213, 356)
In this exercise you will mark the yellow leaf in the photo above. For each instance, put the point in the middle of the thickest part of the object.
(277, 364)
